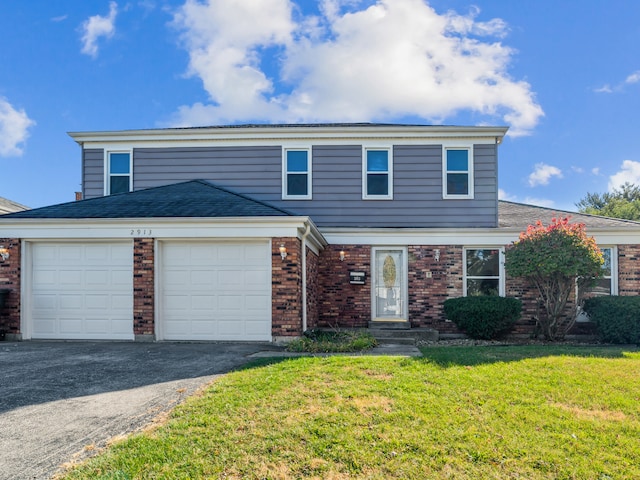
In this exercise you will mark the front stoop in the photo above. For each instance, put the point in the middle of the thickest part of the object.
(404, 336)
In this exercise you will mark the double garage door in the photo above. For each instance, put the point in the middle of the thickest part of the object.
(206, 291)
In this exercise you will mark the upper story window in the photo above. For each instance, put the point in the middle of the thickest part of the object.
(483, 272)
(377, 174)
(296, 173)
(457, 172)
(118, 172)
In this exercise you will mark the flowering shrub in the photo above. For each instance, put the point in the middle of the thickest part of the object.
(553, 258)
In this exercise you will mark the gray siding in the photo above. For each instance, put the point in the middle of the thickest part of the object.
(92, 173)
(337, 183)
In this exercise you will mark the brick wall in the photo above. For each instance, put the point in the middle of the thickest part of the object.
(629, 270)
(286, 288)
(143, 286)
(10, 279)
(427, 295)
(340, 303)
(312, 289)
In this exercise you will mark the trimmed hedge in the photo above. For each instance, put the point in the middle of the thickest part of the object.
(482, 317)
(617, 319)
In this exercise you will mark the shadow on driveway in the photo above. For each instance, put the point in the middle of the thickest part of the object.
(61, 398)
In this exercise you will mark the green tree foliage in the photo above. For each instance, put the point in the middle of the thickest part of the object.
(553, 258)
(621, 203)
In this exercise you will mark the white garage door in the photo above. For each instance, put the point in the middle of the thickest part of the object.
(216, 291)
(82, 291)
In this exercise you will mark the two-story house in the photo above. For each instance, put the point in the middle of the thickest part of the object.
(259, 232)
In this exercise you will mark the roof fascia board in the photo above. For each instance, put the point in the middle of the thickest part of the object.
(235, 135)
(451, 236)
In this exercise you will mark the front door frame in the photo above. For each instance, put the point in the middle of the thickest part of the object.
(401, 291)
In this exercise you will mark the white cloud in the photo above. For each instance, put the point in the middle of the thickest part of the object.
(543, 174)
(629, 173)
(595, 171)
(541, 202)
(14, 129)
(633, 78)
(98, 26)
(630, 80)
(577, 169)
(59, 18)
(503, 195)
(394, 58)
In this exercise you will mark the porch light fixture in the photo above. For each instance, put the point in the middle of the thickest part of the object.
(283, 251)
(4, 253)
(436, 254)
(342, 255)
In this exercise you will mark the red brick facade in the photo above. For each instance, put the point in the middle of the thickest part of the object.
(143, 286)
(286, 288)
(343, 304)
(10, 280)
(331, 299)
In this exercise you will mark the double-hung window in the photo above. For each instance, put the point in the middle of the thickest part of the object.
(457, 172)
(118, 172)
(296, 173)
(377, 174)
(605, 285)
(483, 271)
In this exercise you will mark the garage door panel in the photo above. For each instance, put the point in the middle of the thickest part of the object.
(220, 279)
(82, 291)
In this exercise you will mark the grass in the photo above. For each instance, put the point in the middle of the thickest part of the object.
(323, 341)
(535, 412)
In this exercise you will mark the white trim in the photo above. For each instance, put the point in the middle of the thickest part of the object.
(389, 173)
(107, 173)
(454, 236)
(450, 196)
(309, 172)
(276, 135)
(501, 270)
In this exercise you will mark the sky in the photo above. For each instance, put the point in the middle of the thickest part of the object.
(564, 76)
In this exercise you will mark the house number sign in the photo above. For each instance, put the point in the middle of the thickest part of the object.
(140, 232)
(357, 278)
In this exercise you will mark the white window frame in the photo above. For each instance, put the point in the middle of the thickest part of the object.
(501, 271)
(365, 172)
(582, 316)
(285, 173)
(107, 172)
(445, 172)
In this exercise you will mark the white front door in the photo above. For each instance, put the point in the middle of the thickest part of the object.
(389, 273)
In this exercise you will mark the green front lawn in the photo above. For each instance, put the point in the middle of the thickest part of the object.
(460, 412)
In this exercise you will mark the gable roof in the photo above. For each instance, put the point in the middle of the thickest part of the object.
(192, 199)
(519, 216)
(9, 206)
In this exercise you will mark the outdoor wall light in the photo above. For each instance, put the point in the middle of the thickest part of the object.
(283, 251)
(436, 254)
(342, 255)
(4, 253)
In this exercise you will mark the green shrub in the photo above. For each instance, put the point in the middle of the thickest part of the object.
(325, 341)
(483, 317)
(617, 319)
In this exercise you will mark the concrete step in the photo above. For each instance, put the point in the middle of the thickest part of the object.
(404, 337)
(396, 341)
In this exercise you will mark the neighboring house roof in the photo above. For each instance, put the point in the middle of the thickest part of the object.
(8, 206)
(520, 216)
(193, 199)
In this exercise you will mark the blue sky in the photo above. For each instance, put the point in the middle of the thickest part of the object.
(563, 75)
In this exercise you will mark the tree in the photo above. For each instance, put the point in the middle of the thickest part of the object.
(620, 203)
(554, 258)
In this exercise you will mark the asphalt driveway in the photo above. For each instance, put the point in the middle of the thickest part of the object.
(60, 401)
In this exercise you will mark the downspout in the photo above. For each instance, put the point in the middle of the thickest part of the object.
(304, 277)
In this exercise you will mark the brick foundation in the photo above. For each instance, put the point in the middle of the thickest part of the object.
(10, 279)
(143, 286)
